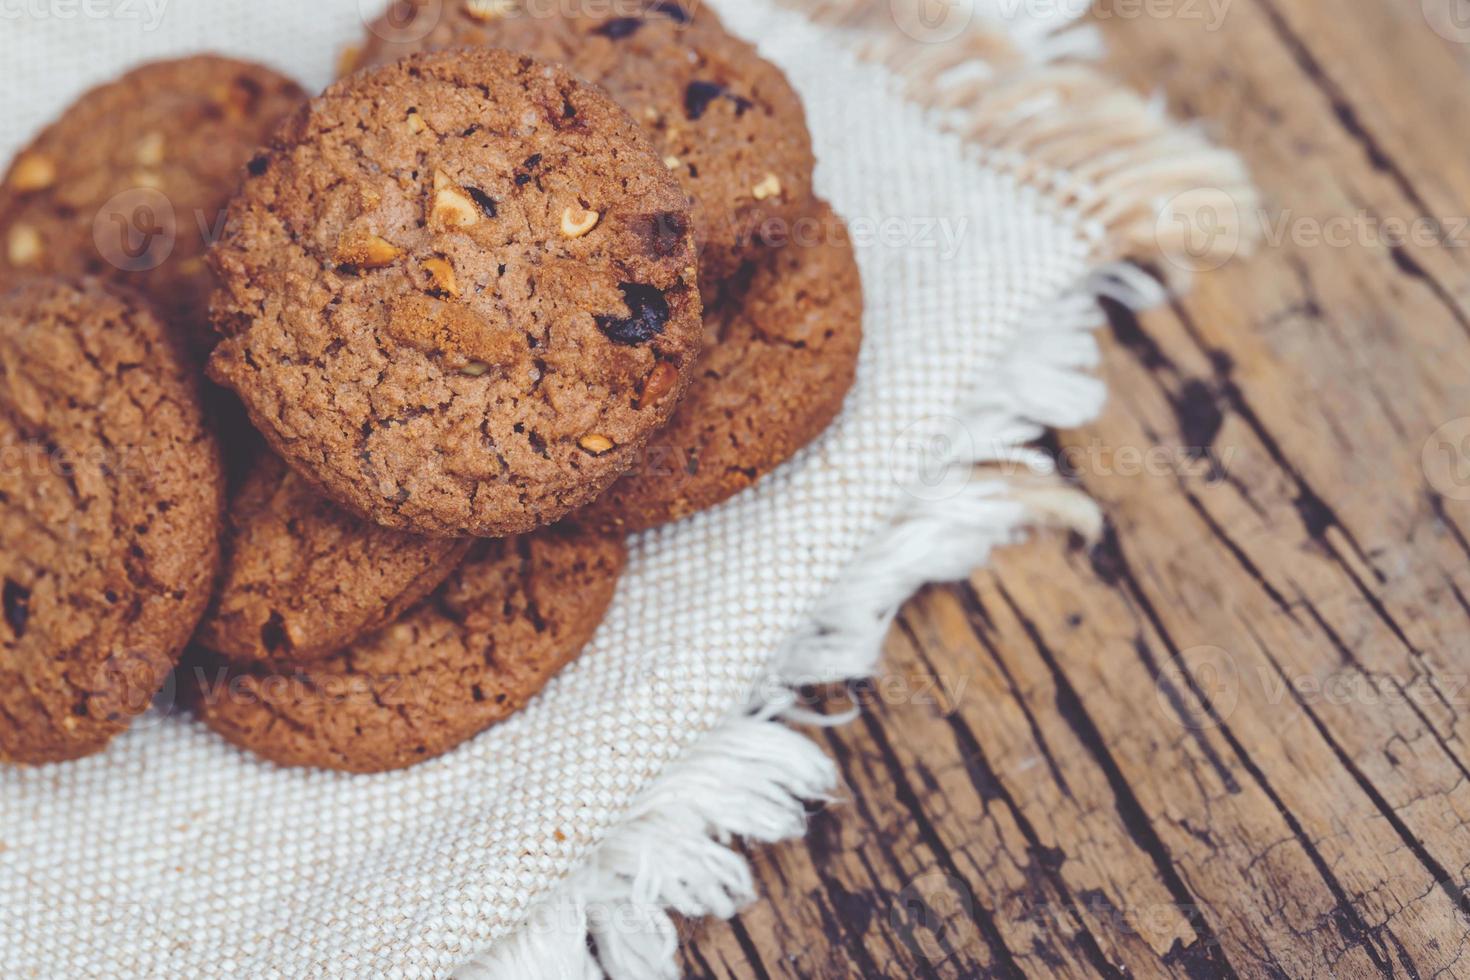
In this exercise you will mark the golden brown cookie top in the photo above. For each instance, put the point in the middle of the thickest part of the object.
(303, 578)
(473, 653)
(782, 351)
(132, 181)
(110, 499)
(444, 285)
(724, 120)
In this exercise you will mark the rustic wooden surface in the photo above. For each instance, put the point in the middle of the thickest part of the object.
(1232, 738)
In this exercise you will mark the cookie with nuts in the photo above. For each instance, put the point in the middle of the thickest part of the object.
(782, 350)
(515, 613)
(302, 578)
(724, 120)
(443, 285)
(131, 182)
(110, 497)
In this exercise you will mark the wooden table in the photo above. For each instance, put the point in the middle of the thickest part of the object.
(1231, 739)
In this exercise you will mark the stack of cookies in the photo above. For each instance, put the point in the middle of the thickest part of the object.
(349, 402)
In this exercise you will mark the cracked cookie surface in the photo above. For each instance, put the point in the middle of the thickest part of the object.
(782, 347)
(131, 182)
(725, 121)
(445, 284)
(303, 578)
(473, 653)
(110, 499)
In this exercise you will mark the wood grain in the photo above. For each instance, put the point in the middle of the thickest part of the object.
(1232, 738)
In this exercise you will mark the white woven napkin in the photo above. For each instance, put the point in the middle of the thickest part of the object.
(984, 220)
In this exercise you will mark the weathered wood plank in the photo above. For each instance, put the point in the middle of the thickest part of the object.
(1231, 739)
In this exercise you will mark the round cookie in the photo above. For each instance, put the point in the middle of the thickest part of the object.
(132, 181)
(303, 578)
(110, 500)
(782, 348)
(473, 653)
(724, 120)
(458, 293)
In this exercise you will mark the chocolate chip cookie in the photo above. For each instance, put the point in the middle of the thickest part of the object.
(110, 500)
(303, 578)
(723, 119)
(473, 653)
(782, 351)
(458, 293)
(132, 181)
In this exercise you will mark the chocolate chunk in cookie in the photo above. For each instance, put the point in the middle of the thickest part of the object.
(132, 181)
(443, 289)
(303, 578)
(515, 613)
(724, 120)
(110, 499)
(782, 351)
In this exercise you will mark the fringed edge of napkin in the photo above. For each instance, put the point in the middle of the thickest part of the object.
(1026, 102)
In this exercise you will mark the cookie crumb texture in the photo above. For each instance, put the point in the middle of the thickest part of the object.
(473, 653)
(303, 578)
(132, 181)
(408, 320)
(782, 351)
(722, 119)
(110, 500)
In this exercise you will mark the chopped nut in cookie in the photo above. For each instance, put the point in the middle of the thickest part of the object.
(452, 207)
(488, 10)
(575, 222)
(33, 172)
(442, 274)
(150, 151)
(768, 188)
(596, 444)
(366, 251)
(661, 381)
(23, 246)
